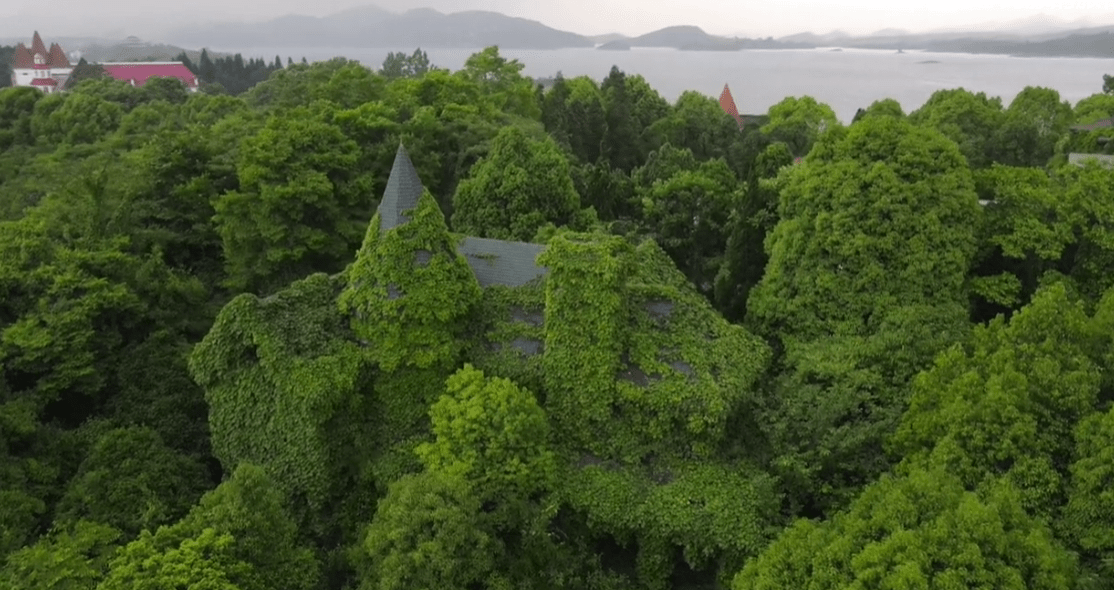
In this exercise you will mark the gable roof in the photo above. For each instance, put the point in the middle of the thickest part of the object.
(139, 72)
(404, 188)
(1100, 124)
(496, 262)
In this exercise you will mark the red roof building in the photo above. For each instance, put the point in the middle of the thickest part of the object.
(137, 73)
(39, 67)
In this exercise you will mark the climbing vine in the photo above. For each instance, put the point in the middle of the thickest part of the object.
(510, 325)
(583, 333)
(279, 375)
(409, 290)
(408, 298)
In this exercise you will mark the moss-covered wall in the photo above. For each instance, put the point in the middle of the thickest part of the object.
(285, 388)
(410, 296)
(508, 332)
(585, 307)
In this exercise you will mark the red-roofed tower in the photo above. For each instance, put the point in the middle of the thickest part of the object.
(727, 103)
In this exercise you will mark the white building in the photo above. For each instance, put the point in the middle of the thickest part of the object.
(42, 68)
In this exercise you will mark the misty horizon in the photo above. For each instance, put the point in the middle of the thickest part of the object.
(123, 18)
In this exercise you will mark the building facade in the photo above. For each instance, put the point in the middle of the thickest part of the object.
(39, 67)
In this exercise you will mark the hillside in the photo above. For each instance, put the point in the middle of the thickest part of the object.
(374, 27)
(690, 38)
(1084, 42)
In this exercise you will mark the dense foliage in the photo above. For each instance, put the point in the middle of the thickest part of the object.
(800, 354)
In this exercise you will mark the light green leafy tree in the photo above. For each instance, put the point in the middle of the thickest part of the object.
(1034, 123)
(799, 122)
(75, 558)
(1008, 404)
(922, 530)
(518, 187)
(502, 82)
(971, 120)
(1024, 233)
(205, 562)
(866, 282)
(493, 434)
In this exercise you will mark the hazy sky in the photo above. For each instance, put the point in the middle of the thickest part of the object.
(145, 18)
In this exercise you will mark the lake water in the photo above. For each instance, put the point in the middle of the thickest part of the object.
(846, 80)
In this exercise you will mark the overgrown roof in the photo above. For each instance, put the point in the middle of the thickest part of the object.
(494, 262)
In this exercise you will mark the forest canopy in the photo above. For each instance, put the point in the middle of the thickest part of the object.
(572, 336)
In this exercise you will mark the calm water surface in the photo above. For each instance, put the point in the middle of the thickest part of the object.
(846, 80)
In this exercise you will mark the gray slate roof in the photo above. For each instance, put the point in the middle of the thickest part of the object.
(495, 262)
(404, 188)
(1106, 160)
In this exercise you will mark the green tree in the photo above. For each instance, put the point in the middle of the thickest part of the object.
(238, 537)
(517, 188)
(427, 534)
(299, 207)
(852, 240)
(744, 259)
(84, 71)
(861, 291)
(171, 90)
(687, 213)
(131, 481)
(621, 139)
(72, 559)
(81, 118)
(17, 106)
(206, 70)
(1087, 521)
(1033, 125)
(799, 122)
(971, 120)
(1025, 232)
(207, 561)
(886, 107)
(918, 531)
(502, 82)
(697, 122)
(493, 434)
(400, 65)
(1007, 405)
(1086, 195)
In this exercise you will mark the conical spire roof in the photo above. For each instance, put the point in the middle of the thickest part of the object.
(404, 188)
(37, 45)
(23, 57)
(57, 57)
(727, 103)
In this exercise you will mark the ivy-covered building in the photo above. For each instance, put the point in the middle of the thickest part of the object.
(647, 389)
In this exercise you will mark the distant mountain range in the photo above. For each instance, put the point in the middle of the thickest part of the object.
(370, 26)
(374, 27)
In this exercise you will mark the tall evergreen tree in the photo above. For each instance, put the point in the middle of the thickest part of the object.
(206, 70)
